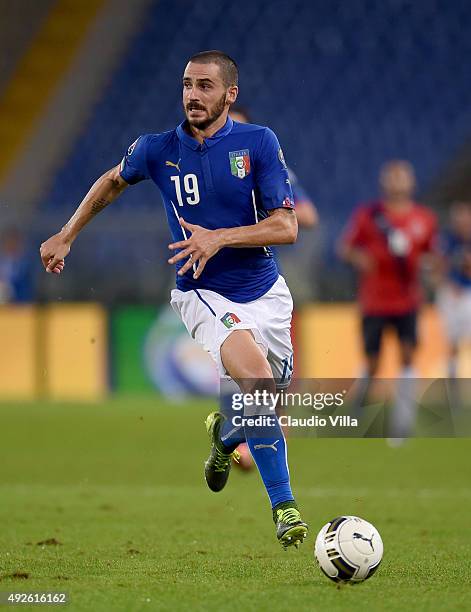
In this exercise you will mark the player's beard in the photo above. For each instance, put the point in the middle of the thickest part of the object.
(216, 112)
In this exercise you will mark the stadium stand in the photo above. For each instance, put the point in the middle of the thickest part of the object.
(18, 25)
(344, 85)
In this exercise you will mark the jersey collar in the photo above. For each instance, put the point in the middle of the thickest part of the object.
(215, 138)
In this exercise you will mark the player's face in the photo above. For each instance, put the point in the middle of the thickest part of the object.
(397, 180)
(239, 117)
(205, 96)
(460, 217)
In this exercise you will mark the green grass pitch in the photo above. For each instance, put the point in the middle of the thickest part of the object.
(119, 488)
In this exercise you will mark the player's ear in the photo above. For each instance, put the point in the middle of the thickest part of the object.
(231, 94)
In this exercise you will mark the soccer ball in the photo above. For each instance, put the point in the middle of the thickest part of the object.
(348, 549)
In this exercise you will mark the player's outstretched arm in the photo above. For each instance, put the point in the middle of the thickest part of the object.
(280, 227)
(106, 189)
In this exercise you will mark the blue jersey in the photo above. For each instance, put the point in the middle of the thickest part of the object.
(233, 179)
(458, 253)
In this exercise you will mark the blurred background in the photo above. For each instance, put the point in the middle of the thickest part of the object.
(346, 86)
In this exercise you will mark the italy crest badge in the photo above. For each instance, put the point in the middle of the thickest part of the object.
(240, 163)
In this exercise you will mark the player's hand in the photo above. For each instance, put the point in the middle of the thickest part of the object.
(53, 253)
(199, 247)
(362, 261)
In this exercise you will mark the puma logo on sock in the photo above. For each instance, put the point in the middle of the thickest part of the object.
(272, 446)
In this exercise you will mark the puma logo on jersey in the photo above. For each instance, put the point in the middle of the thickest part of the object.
(177, 165)
(272, 446)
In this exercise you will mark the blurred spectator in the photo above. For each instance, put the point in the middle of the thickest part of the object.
(16, 278)
(454, 295)
(385, 241)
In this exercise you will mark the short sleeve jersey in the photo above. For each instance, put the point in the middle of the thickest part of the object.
(396, 243)
(232, 179)
(457, 252)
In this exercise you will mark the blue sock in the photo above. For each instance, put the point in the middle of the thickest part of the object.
(268, 447)
(231, 436)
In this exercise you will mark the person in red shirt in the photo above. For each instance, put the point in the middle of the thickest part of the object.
(385, 242)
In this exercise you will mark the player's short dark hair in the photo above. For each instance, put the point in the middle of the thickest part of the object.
(227, 66)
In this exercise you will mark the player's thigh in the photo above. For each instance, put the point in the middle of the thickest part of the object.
(460, 317)
(244, 359)
(465, 312)
(372, 329)
(274, 322)
(406, 328)
(211, 319)
(281, 359)
(448, 305)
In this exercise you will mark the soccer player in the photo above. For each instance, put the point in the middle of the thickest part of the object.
(454, 295)
(384, 242)
(227, 198)
(307, 217)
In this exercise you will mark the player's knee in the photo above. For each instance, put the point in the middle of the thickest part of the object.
(407, 354)
(372, 365)
(255, 371)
